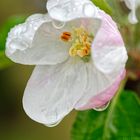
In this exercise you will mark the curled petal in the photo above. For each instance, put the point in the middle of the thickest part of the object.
(19, 45)
(21, 36)
(108, 50)
(38, 40)
(53, 91)
(109, 57)
(65, 10)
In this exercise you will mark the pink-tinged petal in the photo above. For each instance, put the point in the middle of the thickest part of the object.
(53, 91)
(109, 57)
(108, 51)
(105, 96)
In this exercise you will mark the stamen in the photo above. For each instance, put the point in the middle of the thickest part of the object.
(81, 42)
(72, 52)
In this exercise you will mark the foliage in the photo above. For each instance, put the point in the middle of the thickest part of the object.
(4, 61)
(119, 121)
(102, 4)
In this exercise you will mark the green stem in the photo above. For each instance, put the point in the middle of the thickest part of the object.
(112, 106)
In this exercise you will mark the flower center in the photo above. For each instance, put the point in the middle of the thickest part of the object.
(81, 42)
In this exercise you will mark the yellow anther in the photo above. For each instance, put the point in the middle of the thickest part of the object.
(83, 52)
(86, 51)
(72, 52)
(80, 31)
(81, 43)
(80, 53)
(88, 45)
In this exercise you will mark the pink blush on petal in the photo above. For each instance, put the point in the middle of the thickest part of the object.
(105, 96)
(108, 33)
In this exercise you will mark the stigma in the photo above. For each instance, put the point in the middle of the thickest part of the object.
(81, 42)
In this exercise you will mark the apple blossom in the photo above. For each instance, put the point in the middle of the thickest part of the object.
(80, 58)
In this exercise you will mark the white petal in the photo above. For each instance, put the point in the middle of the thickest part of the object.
(36, 42)
(98, 83)
(132, 5)
(109, 57)
(132, 17)
(108, 51)
(19, 46)
(53, 91)
(43, 45)
(21, 36)
(65, 10)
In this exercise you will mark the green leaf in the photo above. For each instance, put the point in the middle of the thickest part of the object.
(120, 121)
(102, 4)
(11, 22)
(4, 61)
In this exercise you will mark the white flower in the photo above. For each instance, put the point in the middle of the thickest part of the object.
(80, 58)
(132, 5)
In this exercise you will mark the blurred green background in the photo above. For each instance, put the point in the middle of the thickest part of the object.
(14, 123)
